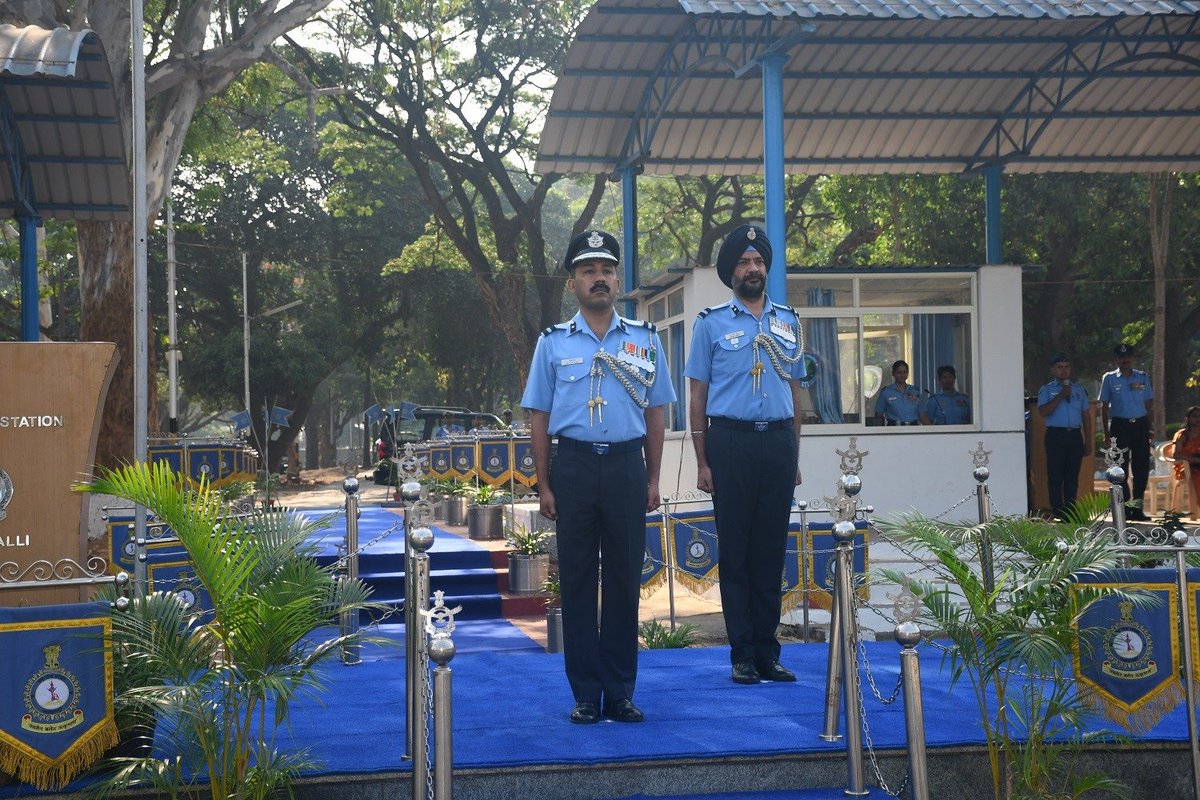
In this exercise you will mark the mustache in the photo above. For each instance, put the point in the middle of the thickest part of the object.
(600, 287)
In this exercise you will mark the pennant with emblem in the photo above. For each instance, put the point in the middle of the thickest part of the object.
(822, 563)
(790, 584)
(462, 460)
(424, 462)
(175, 575)
(524, 469)
(171, 454)
(159, 539)
(1127, 655)
(494, 460)
(57, 681)
(693, 542)
(439, 461)
(654, 560)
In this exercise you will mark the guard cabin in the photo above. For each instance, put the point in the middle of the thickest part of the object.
(856, 323)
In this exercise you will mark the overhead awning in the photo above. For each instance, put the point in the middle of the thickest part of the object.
(60, 130)
(881, 87)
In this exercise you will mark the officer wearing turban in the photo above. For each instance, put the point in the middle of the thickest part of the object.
(598, 382)
(743, 368)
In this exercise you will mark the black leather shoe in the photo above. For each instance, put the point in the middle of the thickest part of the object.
(586, 713)
(776, 672)
(744, 672)
(1136, 515)
(623, 711)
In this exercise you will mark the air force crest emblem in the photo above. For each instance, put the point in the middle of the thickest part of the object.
(51, 696)
(1128, 647)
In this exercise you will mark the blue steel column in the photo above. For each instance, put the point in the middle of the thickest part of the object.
(772, 78)
(26, 213)
(991, 205)
(629, 224)
(30, 330)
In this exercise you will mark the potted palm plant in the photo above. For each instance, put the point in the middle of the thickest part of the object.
(485, 517)
(554, 630)
(456, 502)
(1013, 644)
(528, 560)
(218, 678)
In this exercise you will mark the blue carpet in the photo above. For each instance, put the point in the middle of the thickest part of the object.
(458, 566)
(510, 709)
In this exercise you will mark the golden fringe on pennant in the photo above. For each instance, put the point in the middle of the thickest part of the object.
(45, 775)
(694, 584)
(1145, 717)
(792, 599)
(654, 584)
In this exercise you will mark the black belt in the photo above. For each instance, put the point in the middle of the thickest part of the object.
(895, 422)
(600, 448)
(758, 425)
(1059, 428)
(1128, 419)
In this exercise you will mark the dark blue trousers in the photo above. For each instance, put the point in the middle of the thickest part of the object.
(754, 474)
(1134, 434)
(1064, 454)
(601, 502)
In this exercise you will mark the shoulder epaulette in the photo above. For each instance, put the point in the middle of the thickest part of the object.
(709, 310)
(562, 326)
(641, 323)
(785, 308)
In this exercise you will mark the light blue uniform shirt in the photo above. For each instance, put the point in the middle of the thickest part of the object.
(949, 409)
(897, 405)
(1069, 412)
(1126, 396)
(561, 383)
(444, 432)
(723, 356)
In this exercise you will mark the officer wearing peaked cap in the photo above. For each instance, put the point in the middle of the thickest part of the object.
(598, 382)
(1126, 409)
(743, 368)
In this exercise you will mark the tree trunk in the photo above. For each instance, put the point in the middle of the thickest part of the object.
(1161, 186)
(106, 315)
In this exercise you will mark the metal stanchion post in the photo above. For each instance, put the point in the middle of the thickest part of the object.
(412, 619)
(442, 650)
(1180, 540)
(669, 558)
(843, 532)
(351, 653)
(420, 540)
(985, 516)
(833, 675)
(908, 634)
(802, 506)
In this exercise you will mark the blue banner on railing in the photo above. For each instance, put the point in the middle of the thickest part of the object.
(822, 565)
(654, 562)
(56, 685)
(1127, 654)
(693, 542)
(495, 461)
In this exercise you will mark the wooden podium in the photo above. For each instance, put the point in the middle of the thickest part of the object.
(49, 420)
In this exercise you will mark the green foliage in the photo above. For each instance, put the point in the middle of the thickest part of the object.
(220, 682)
(485, 494)
(656, 636)
(1013, 644)
(234, 490)
(526, 542)
(552, 590)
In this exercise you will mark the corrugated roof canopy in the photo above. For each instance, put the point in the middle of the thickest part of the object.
(875, 87)
(56, 89)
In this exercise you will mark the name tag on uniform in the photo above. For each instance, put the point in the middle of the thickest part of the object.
(783, 330)
(567, 362)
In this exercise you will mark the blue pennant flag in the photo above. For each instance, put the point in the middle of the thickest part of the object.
(241, 420)
(279, 416)
(374, 414)
(405, 410)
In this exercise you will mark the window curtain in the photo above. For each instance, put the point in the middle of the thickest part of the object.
(933, 346)
(826, 391)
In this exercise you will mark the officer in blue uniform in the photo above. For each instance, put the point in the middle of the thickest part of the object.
(743, 367)
(899, 403)
(1126, 410)
(1064, 405)
(599, 383)
(949, 406)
